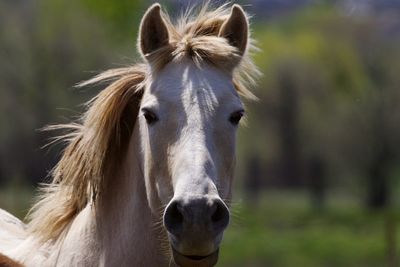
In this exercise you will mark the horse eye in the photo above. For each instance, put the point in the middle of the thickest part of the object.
(236, 116)
(149, 115)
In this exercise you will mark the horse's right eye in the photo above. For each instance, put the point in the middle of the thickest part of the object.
(236, 116)
(150, 116)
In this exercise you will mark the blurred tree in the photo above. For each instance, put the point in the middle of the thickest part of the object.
(288, 123)
(46, 47)
(329, 90)
(252, 185)
(316, 173)
(121, 17)
(379, 52)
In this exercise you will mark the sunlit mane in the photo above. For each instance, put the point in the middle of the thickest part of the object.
(97, 142)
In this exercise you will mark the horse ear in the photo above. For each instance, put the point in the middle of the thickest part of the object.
(236, 29)
(153, 33)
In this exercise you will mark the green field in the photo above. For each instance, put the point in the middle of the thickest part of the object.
(283, 231)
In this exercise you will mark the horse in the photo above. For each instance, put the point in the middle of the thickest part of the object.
(145, 178)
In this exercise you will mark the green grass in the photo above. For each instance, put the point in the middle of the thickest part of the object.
(283, 231)
(16, 199)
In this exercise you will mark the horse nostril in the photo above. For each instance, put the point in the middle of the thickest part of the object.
(198, 213)
(173, 218)
(220, 215)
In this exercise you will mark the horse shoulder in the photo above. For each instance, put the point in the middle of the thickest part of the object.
(12, 231)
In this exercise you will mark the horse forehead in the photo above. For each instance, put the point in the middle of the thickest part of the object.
(186, 82)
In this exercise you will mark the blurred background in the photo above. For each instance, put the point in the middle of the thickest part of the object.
(318, 176)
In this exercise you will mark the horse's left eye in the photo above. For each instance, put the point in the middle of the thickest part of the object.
(149, 115)
(236, 116)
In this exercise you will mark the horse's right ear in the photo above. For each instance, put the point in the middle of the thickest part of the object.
(236, 29)
(153, 33)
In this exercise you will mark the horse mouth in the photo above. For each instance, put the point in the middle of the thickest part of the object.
(195, 260)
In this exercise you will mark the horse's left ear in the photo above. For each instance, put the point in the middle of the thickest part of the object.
(236, 29)
(153, 33)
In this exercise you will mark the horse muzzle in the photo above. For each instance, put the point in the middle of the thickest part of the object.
(195, 228)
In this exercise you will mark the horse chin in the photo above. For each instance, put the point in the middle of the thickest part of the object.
(195, 260)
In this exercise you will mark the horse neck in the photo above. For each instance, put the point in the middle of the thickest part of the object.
(126, 223)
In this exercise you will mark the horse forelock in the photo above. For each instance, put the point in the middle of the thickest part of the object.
(195, 36)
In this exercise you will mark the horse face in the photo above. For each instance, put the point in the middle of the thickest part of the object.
(188, 122)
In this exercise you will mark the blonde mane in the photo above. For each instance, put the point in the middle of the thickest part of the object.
(96, 144)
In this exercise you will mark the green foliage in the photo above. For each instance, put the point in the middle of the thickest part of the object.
(340, 73)
(123, 15)
(46, 48)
